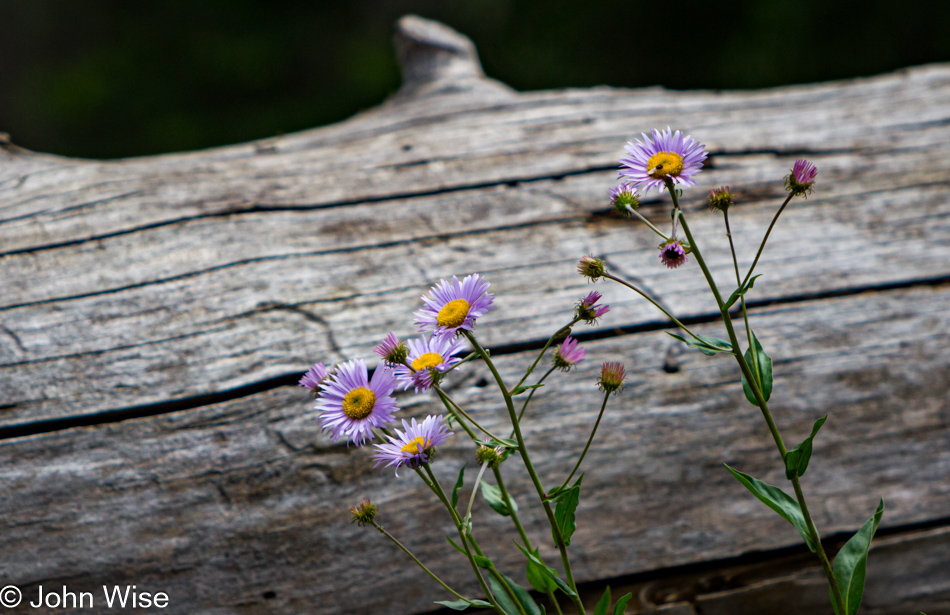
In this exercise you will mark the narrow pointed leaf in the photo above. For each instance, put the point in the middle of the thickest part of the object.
(603, 604)
(567, 500)
(461, 605)
(458, 485)
(483, 562)
(521, 389)
(777, 500)
(851, 563)
(550, 573)
(457, 548)
(796, 460)
(621, 607)
(706, 345)
(765, 372)
(741, 291)
(492, 495)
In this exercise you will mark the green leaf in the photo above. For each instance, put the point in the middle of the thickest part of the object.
(707, 345)
(550, 574)
(539, 578)
(483, 562)
(621, 607)
(567, 500)
(777, 500)
(796, 460)
(603, 604)
(741, 291)
(492, 495)
(521, 389)
(765, 372)
(504, 600)
(458, 485)
(851, 563)
(461, 605)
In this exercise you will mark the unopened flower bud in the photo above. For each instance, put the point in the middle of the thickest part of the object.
(802, 178)
(612, 374)
(720, 199)
(364, 513)
(591, 268)
(486, 454)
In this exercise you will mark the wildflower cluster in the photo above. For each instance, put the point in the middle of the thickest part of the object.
(671, 161)
(360, 407)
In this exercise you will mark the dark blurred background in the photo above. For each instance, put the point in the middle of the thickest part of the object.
(113, 78)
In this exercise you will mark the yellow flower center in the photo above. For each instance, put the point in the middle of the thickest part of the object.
(664, 164)
(416, 445)
(358, 403)
(429, 359)
(453, 313)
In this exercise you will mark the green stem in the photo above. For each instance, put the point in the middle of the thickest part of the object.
(593, 431)
(437, 489)
(416, 560)
(675, 320)
(745, 314)
(766, 238)
(526, 458)
(451, 410)
(446, 398)
(647, 222)
(524, 406)
(543, 350)
(763, 405)
(471, 499)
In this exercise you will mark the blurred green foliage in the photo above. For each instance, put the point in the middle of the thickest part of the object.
(113, 78)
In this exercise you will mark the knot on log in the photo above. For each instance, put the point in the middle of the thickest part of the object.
(435, 59)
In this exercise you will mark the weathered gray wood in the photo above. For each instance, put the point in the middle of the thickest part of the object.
(221, 504)
(158, 279)
(116, 323)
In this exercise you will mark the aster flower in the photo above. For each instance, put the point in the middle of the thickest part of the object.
(720, 199)
(591, 268)
(589, 310)
(673, 253)
(351, 405)
(414, 446)
(392, 350)
(623, 197)
(568, 354)
(454, 305)
(314, 377)
(426, 355)
(492, 456)
(612, 374)
(668, 155)
(364, 513)
(802, 178)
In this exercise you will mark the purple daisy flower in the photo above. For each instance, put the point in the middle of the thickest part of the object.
(568, 354)
(624, 197)
(802, 178)
(612, 374)
(672, 253)
(314, 376)
(454, 305)
(425, 354)
(414, 446)
(589, 310)
(667, 155)
(351, 405)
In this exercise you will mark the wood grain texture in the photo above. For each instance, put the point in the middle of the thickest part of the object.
(165, 279)
(223, 504)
